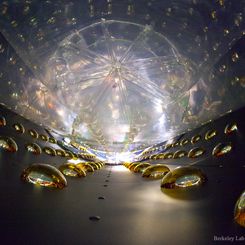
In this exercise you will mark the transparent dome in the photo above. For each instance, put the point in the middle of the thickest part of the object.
(116, 76)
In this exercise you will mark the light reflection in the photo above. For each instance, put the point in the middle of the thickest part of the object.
(119, 168)
(139, 73)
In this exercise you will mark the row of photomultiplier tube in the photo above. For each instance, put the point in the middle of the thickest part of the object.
(182, 181)
(153, 152)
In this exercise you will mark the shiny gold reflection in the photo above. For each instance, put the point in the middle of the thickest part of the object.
(239, 212)
(176, 144)
(168, 155)
(131, 167)
(230, 128)
(155, 171)
(141, 166)
(43, 137)
(8, 144)
(159, 156)
(183, 177)
(19, 128)
(49, 151)
(52, 140)
(222, 149)
(97, 164)
(60, 152)
(179, 154)
(210, 134)
(184, 142)
(44, 175)
(128, 165)
(72, 170)
(195, 139)
(2, 121)
(196, 152)
(94, 165)
(85, 166)
(33, 133)
(69, 154)
(167, 146)
(34, 148)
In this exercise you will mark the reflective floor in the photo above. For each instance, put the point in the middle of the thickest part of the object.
(114, 205)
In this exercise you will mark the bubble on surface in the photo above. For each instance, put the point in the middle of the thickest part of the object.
(44, 175)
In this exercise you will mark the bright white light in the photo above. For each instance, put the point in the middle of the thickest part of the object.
(119, 168)
(162, 120)
(115, 114)
(158, 106)
(67, 140)
(124, 157)
(74, 161)
(61, 112)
